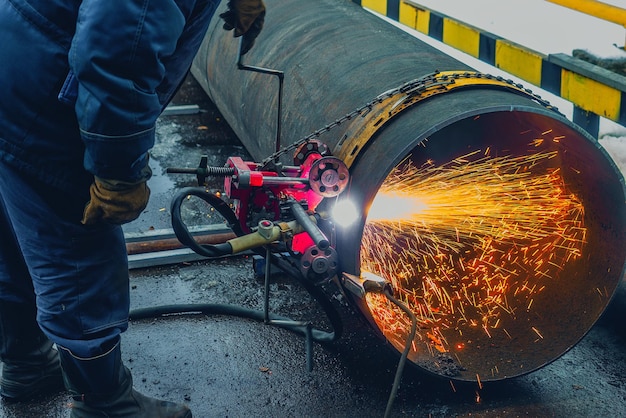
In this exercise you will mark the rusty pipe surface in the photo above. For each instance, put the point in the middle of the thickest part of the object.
(512, 242)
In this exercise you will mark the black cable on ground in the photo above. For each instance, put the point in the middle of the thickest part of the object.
(317, 335)
(221, 250)
(224, 309)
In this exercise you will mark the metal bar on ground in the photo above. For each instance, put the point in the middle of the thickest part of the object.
(160, 258)
(160, 247)
(178, 110)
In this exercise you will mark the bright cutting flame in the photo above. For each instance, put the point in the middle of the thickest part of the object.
(394, 206)
(345, 213)
(467, 242)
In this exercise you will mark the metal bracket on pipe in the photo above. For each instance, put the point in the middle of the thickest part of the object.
(393, 102)
(281, 79)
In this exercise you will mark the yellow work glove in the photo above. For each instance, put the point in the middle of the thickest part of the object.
(246, 17)
(115, 202)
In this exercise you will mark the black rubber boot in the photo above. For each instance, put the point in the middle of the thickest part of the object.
(30, 363)
(103, 387)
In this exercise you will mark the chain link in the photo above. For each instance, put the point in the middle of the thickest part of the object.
(414, 87)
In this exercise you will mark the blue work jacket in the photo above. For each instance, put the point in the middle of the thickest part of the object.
(83, 82)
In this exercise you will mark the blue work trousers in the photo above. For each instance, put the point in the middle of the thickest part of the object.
(76, 275)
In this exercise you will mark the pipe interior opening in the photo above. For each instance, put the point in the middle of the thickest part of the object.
(504, 234)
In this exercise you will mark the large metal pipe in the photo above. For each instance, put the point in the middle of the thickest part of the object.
(501, 289)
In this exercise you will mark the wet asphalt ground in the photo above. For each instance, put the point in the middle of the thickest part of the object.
(227, 365)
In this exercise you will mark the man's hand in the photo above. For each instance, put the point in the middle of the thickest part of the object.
(115, 202)
(246, 17)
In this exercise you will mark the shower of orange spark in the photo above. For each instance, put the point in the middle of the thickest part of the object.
(464, 242)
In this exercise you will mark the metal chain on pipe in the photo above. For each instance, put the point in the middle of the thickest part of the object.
(417, 87)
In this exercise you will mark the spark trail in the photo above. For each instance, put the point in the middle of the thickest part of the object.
(467, 242)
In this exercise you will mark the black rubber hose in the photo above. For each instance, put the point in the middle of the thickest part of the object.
(318, 335)
(230, 310)
(221, 250)
(183, 234)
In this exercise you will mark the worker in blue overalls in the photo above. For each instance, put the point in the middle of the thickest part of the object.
(82, 84)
